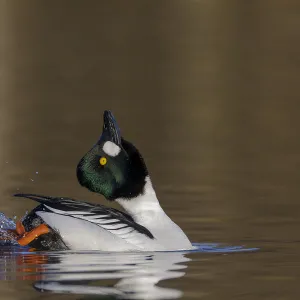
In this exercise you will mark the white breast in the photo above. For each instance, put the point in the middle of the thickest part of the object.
(83, 235)
(146, 211)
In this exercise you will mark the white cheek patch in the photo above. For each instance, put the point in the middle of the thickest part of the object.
(111, 149)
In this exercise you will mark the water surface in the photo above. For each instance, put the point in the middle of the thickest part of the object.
(117, 275)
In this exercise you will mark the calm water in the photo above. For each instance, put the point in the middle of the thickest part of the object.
(209, 93)
(102, 274)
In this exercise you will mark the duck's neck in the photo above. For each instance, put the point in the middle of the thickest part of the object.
(143, 203)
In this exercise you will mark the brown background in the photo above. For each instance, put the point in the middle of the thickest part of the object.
(207, 90)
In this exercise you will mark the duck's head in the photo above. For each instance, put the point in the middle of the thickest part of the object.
(113, 167)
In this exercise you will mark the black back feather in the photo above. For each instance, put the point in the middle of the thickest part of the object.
(70, 205)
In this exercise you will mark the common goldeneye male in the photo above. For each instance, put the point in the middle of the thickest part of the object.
(115, 169)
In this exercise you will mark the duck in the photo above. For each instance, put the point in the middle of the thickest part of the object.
(115, 169)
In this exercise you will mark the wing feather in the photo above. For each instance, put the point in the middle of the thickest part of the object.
(110, 219)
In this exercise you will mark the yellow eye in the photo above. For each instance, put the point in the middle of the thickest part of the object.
(103, 161)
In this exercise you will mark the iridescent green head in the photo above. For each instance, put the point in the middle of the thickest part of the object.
(113, 167)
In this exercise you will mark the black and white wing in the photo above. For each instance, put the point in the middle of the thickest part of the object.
(110, 219)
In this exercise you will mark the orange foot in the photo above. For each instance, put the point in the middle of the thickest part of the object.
(28, 237)
(20, 228)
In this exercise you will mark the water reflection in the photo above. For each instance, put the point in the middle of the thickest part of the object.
(135, 275)
(82, 273)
